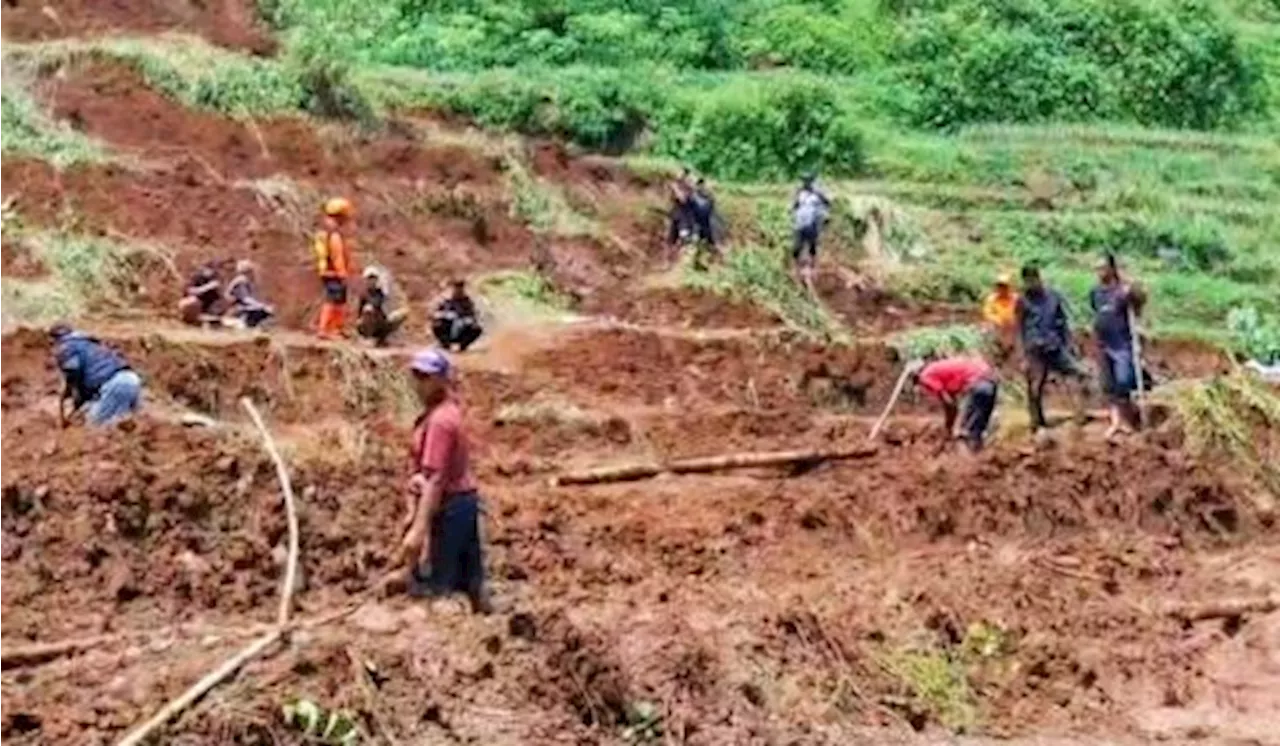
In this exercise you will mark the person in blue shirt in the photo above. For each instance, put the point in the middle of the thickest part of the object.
(1040, 316)
(95, 375)
(1114, 302)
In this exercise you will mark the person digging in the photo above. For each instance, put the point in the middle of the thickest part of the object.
(334, 264)
(1040, 317)
(1114, 303)
(442, 543)
(809, 214)
(454, 322)
(376, 322)
(951, 379)
(94, 376)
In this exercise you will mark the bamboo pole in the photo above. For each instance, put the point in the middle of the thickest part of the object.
(291, 512)
(745, 460)
(897, 392)
(1136, 343)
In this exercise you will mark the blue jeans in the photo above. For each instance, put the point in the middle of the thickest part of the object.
(1118, 374)
(117, 398)
(977, 412)
(457, 559)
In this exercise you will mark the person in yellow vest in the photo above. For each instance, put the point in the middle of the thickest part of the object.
(334, 264)
(998, 314)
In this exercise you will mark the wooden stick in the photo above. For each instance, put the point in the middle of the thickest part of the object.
(291, 511)
(632, 472)
(201, 687)
(1137, 365)
(1226, 608)
(897, 391)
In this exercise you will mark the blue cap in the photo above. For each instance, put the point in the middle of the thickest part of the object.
(431, 362)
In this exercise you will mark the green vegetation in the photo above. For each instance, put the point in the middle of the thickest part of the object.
(761, 275)
(316, 725)
(1255, 335)
(543, 206)
(29, 131)
(935, 341)
(529, 291)
(938, 683)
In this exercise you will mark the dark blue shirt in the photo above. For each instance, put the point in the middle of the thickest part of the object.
(1111, 305)
(1042, 321)
(86, 364)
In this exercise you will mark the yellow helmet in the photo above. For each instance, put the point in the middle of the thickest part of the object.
(338, 207)
(1004, 278)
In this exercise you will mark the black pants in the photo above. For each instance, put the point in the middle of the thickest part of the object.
(805, 245)
(977, 412)
(1041, 363)
(681, 222)
(460, 332)
(378, 326)
(457, 557)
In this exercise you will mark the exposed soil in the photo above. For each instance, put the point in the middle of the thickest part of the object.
(892, 599)
(229, 23)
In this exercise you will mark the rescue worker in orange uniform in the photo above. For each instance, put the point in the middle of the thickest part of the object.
(998, 311)
(334, 264)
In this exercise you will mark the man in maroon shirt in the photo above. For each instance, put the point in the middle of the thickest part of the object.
(442, 542)
(949, 379)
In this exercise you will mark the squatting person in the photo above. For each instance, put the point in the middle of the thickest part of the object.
(94, 375)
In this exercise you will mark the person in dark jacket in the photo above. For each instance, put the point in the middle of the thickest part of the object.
(680, 215)
(203, 294)
(377, 321)
(94, 375)
(1040, 317)
(1114, 302)
(455, 321)
(703, 206)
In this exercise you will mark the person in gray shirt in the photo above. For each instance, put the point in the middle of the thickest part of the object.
(809, 214)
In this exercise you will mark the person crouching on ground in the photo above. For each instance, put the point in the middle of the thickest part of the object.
(1113, 302)
(202, 295)
(94, 375)
(454, 322)
(242, 294)
(950, 379)
(376, 322)
(442, 543)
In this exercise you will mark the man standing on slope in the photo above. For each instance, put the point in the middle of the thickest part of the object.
(94, 375)
(442, 541)
(1113, 302)
(334, 265)
(948, 380)
(1041, 319)
(998, 313)
(809, 213)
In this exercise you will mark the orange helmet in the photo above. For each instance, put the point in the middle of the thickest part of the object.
(339, 207)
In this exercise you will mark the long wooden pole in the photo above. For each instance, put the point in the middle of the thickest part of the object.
(897, 392)
(746, 460)
(291, 512)
(1136, 350)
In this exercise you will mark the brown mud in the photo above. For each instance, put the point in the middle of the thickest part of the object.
(229, 23)
(896, 599)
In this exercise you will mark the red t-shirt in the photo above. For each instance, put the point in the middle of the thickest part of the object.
(953, 375)
(441, 447)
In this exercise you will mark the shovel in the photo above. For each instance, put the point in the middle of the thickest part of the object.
(897, 392)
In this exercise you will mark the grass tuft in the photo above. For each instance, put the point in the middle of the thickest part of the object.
(28, 130)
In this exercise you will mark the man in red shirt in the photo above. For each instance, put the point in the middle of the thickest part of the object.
(948, 380)
(442, 542)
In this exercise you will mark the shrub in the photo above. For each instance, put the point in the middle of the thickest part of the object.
(1176, 64)
(1255, 334)
(762, 129)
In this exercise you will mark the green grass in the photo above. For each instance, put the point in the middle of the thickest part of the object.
(936, 341)
(938, 683)
(29, 131)
(524, 293)
(543, 206)
(760, 274)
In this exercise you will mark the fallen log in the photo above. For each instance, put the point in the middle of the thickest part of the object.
(1226, 608)
(702, 465)
(291, 511)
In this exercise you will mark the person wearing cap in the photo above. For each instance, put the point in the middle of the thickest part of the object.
(454, 321)
(1040, 317)
(202, 295)
(998, 312)
(242, 294)
(334, 264)
(949, 380)
(94, 375)
(442, 543)
(1113, 302)
(809, 214)
(375, 321)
